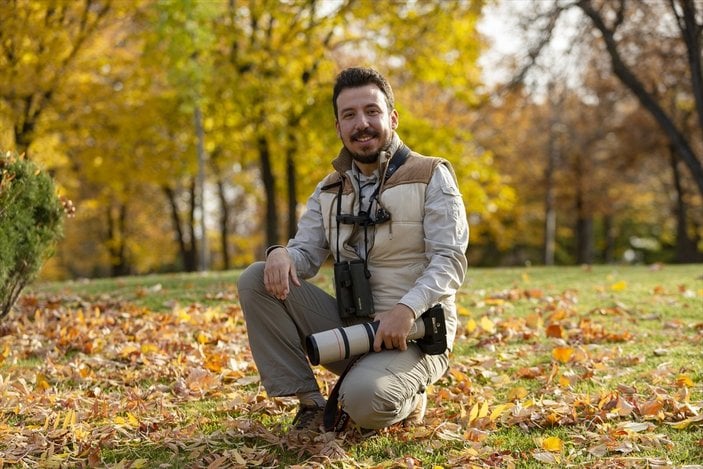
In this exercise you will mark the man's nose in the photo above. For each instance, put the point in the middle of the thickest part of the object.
(361, 121)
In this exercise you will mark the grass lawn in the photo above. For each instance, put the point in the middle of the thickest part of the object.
(560, 366)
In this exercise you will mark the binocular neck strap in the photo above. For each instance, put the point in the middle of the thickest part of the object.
(396, 161)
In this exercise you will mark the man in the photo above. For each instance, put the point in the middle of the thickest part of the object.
(407, 230)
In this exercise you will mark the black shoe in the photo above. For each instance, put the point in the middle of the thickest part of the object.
(309, 417)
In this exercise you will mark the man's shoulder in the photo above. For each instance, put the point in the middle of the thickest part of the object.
(417, 168)
(332, 182)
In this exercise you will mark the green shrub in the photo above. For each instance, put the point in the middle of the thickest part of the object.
(31, 221)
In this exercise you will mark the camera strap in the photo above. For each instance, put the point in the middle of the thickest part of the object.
(334, 417)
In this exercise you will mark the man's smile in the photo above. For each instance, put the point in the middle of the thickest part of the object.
(364, 136)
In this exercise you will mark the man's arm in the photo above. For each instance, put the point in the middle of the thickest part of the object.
(304, 254)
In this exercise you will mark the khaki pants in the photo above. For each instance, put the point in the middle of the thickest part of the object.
(379, 390)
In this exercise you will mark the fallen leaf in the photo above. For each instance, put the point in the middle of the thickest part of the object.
(562, 354)
(553, 444)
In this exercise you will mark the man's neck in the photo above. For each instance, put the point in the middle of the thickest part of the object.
(367, 169)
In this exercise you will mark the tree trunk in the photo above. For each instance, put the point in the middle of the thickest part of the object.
(584, 218)
(292, 189)
(184, 249)
(116, 226)
(683, 148)
(203, 263)
(193, 239)
(270, 192)
(550, 214)
(609, 236)
(686, 249)
(224, 224)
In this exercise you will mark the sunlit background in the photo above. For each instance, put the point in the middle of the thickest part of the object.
(189, 134)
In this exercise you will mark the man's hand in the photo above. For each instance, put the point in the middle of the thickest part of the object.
(393, 328)
(279, 267)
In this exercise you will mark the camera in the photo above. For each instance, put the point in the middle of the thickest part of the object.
(352, 288)
(429, 332)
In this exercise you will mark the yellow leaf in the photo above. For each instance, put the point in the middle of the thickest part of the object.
(473, 413)
(133, 421)
(463, 311)
(183, 316)
(484, 410)
(42, 382)
(149, 348)
(487, 325)
(470, 326)
(128, 350)
(499, 409)
(517, 392)
(69, 420)
(684, 380)
(566, 381)
(698, 419)
(562, 354)
(553, 444)
(619, 286)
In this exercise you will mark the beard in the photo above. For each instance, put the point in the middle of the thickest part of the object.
(365, 158)
(368, 158)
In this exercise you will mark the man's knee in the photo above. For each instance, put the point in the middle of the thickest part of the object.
(372, 404)
(252, 278)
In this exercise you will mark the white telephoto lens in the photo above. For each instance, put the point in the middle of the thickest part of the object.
(345, 342)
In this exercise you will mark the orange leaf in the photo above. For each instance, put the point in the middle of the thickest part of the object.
(562, 354)
(534, 321)
(651, 408)
(555, 330)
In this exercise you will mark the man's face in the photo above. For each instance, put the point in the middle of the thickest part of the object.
(364, 123)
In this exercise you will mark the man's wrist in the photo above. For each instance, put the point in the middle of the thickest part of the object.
(407, 309)
(270, 249)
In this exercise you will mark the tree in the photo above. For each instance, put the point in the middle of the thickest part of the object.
(39, 44)
(31, 219)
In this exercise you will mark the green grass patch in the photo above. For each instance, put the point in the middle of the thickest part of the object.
(571, 366)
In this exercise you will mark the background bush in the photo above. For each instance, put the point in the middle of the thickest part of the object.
(31, 221)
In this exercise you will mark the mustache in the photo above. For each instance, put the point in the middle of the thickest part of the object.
(364, 133)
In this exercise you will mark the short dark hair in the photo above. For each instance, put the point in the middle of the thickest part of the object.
(356, 77)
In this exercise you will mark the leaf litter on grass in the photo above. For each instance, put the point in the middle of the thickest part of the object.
(105, 382)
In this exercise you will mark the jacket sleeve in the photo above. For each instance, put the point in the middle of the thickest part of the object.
(309, 248)
(446, 234)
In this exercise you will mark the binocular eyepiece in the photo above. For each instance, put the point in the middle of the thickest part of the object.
(429, 332)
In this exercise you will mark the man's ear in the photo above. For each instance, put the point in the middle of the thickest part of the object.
(336, 126)
(394, 119)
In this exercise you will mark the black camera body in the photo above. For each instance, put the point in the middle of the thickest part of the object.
(353, 289)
